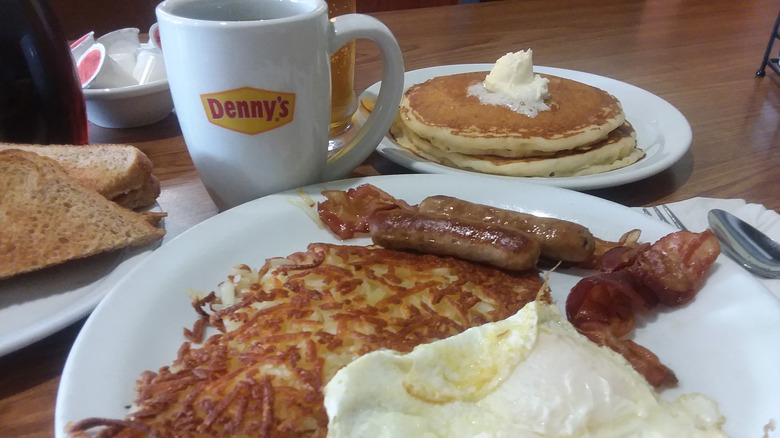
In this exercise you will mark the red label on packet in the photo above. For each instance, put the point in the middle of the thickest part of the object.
(156, 38)
(89, 65)
(249, 110)
(80, 40)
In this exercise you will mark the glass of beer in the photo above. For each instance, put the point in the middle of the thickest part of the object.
(342, 71)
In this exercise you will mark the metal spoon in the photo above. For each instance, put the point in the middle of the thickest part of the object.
(746, 245)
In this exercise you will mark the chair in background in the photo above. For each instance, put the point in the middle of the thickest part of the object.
(773, 63)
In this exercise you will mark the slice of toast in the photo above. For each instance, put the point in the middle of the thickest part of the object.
(121, 173)
(143, 196)
(47, 218)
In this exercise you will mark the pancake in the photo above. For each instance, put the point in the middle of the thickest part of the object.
(296, 322)
(616, 151)
(441, 111)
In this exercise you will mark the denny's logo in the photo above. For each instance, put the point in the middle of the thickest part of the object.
(249, 110)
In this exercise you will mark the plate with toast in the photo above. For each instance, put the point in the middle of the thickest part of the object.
(138, 327)
(75, 220)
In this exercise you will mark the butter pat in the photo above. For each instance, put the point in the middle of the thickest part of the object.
(512, 83)
(513, 74)
(531, 375)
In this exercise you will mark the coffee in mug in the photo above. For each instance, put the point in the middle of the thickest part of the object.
(250, 81)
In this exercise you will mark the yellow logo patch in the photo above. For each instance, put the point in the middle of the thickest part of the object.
(249, 110)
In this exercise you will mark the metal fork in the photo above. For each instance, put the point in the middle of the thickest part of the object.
(663, 213)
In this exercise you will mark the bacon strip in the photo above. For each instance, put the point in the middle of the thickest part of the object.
(603, 300)
(642, 359)
(610, 256)
(346, 213)
(669, 272)
(601, 307)
(675, 266)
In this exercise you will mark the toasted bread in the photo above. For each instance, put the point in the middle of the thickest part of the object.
(47, 218)
(143, 196)
(121, 173)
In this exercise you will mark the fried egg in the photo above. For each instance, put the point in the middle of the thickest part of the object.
(530, 375)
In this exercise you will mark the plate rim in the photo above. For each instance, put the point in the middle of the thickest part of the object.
(53, 323)
(682, 140)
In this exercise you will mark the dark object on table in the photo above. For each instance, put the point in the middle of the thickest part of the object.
(773, 63)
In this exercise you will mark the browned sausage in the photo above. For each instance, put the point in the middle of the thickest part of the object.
(469, 240)
(559, 239)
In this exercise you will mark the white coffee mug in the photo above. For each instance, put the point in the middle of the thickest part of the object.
(250, 81)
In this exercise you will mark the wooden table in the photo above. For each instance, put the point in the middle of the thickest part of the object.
(699, 55)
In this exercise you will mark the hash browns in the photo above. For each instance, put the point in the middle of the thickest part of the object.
(296, 322)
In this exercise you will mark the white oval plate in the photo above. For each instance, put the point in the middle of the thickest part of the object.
(662, 131)
(722, 344)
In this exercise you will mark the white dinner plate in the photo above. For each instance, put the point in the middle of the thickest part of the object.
(723, 344)
(39, 303)
(662, 131)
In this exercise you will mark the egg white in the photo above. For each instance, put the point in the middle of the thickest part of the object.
(531, 375)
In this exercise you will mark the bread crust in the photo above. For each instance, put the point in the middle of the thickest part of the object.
(119, 172)
(143, 196)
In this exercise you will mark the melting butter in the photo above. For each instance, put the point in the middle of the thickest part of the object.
(512, 83)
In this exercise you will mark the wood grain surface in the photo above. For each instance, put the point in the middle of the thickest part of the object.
(699, 55)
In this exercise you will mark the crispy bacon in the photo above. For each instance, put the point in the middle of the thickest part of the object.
(669, 272)
(601, 307)
(346, 213)
(643, 360)
(675, 266)
(620, 257)
(610, 256)
(603, 300)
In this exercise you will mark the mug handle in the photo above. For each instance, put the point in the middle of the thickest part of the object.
(341, 30)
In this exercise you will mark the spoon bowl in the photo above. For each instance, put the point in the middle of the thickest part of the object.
(746, 245)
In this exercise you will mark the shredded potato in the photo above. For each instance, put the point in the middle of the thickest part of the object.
(295, 322)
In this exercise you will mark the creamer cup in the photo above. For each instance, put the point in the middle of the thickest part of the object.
(121, 46)
(149, 66)
(97, 70)
(81, 45)
(154, 36)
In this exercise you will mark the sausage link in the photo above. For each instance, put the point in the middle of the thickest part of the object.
(559, 239)
(469, 240)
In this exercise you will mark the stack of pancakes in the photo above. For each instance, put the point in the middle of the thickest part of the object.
(583, 133)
